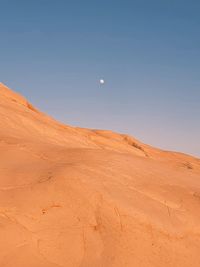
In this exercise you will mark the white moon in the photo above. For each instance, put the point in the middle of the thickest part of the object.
(102, 81)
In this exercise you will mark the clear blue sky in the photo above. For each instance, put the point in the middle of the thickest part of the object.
(54, 53)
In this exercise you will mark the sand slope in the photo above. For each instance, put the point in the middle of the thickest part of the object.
(73, 197)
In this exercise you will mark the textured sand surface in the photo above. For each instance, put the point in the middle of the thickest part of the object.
(73, 197)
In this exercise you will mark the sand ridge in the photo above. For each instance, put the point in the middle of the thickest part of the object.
(74, 197)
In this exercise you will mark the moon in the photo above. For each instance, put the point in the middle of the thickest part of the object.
(102, 81)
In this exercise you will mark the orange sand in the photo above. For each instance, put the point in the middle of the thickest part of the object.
(72, 197)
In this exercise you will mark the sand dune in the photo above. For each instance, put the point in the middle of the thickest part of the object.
(73, 197)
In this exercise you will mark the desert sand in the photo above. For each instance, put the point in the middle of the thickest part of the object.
(73, 197)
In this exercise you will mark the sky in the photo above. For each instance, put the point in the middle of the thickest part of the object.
(148, 52)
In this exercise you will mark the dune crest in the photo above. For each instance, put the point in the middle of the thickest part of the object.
(74, 197)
